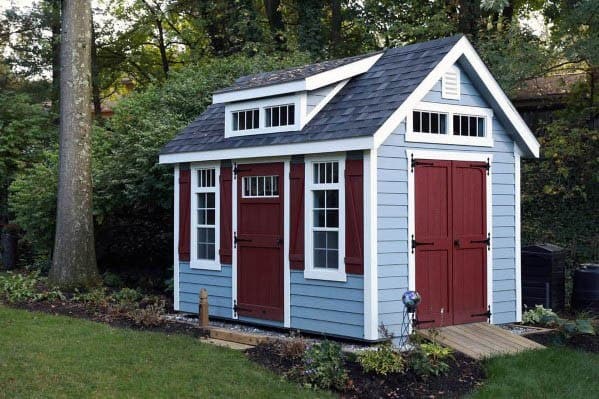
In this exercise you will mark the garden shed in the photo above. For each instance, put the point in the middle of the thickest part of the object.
(312, 198)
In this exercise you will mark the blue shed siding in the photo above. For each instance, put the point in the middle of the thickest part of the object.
(218, 284)
(328, 307)
(392, 223)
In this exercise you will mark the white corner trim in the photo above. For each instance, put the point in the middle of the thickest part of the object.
(450, 156)
(324, 101)
(310, 83)
(314, 147)
(176, 301)
(286, 235)
(310, 272)
(461, 48)
(194, 262)
(371, 314)
(518, 237)
(449, 137)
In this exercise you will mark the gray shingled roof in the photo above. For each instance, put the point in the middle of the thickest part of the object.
(290, 74)
(359, 109)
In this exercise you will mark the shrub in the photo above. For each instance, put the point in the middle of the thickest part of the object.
(127, 295)
(95, 297)
(150, 316)
(323, 366)
(292, 349)
(383, 360)
(15, 288)
(112, 280)
(540, 316)
(429, 358)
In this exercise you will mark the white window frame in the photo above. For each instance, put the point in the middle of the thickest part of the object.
(195, 263)
(449, 137)
(310, 272)
(450, 96)
(244, 179)
(297, 100)
(238, 111)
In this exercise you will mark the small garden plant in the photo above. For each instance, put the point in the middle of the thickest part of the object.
(566, 328)
(383, 360)
(539, 316)
(323, 366)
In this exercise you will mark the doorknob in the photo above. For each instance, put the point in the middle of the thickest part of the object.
(456, 243)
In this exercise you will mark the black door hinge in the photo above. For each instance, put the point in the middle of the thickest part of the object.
(237, 169)
(237, 239)
(237, 308)
(486, 166)
(414, 163)
(418, 243)
(485, 241)
(487, 314)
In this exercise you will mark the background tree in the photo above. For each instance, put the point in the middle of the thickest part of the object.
(74, 257)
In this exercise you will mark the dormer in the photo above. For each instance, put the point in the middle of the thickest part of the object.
(283, 101)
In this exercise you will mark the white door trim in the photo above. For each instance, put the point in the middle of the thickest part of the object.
(450, 156)
(176, 300)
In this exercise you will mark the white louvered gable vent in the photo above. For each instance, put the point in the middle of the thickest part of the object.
(450, 84)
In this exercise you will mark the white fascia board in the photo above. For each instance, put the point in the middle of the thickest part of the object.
(314, 147)
(310, 83)
(461, 48)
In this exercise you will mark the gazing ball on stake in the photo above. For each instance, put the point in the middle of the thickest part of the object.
(411, 299)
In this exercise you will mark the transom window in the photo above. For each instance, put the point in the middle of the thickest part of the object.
(205, 218)
(429, 122)
(325, 220)
(280, 115)
(260, 186)
(465, 125)
(246, 119)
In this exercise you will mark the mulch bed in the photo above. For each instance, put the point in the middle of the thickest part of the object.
(465, 375)
(81, 311)
(584, 342)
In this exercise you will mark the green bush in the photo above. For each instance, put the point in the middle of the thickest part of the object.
(15, 288)
(429, 358)
(112, 280)
(150, 316)
(94, 297)
(323, 366)
(539, 316)
(126, 296)
(383, 360)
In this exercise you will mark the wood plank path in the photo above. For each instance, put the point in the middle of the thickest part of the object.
(480, 340)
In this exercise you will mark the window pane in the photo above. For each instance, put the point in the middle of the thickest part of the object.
(434, 123)
(241, 121)
(320, 258)
(201, 216)
(320, 239)
(416, 121)
(211, 251)
(335, 172)
(319, 197)
(283, 116)
(268, 117)
(275, 117)
(249, 120)
(329, 169)
(201, 200)
(319, 218)
(253, 186)
(202, 251)
(316, 176)
(234, 119)
(473, 124)
(261, 186)
(291, 114)
(332, 240)
(456, 125)
(210, 235)
(268, 185)
(210, 200)
(256, 119)
(332, 259)
(246, 187)
(202, 234)
(332, 199)
(425, 122)
(464, 125)
(275, 185)
(481, 127)
(443, 124)
(333, 218)
(210, 217)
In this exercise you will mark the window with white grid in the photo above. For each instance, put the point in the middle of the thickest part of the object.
(205, 218)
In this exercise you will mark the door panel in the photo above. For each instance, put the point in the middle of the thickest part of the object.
(260, 242)
(449, 242)
(432, 241)
(470, 250)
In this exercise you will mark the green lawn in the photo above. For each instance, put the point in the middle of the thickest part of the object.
(51, 356)
(549, 373)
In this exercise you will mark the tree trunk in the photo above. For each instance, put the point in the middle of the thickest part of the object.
(55, 40)
(74, 261)
(336, 20)
(274, 15)
(96, 78)
(162, 47)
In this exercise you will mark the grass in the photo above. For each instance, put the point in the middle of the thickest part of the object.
(551, 373)
(54, 356)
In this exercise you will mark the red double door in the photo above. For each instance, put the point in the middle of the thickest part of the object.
(259, 241)
(450, 242)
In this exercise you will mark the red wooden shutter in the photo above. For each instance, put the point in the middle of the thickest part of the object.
(296, 195)
(226, 211)
(184, 213)
(354, 216)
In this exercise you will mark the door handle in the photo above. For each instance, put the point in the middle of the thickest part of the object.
(457, 243)
(280, 242)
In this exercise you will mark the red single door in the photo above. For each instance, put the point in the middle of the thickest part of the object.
(470, 246)
(450, 242)
(259, 241)
(432, 242)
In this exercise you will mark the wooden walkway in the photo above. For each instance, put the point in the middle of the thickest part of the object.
(480, 340)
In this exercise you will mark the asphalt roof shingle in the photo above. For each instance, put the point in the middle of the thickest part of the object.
(358, 110)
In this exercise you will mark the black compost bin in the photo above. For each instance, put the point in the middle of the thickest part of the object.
(543, 276)
(585, 295)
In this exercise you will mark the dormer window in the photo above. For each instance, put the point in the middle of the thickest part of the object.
(246, 119)
(281, 115)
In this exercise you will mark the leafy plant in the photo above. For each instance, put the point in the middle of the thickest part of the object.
(127, 295)
(15, 288)
(112, 280)
(95, 297)
(323, 366)
(150, 316)
(540, 316)
(383, 360)
(292, 348)
(429, 358)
